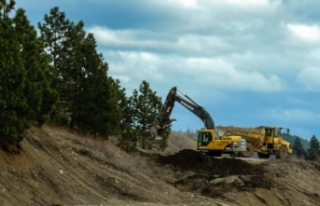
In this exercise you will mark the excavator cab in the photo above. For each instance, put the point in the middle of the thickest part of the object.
(204, 138)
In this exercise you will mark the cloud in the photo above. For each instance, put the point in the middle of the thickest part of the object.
(305, 33)
(184, 44)
(296, 115)
(219, 73)
(188, 3)
(203, 72)
(310, 78)
(248, 2)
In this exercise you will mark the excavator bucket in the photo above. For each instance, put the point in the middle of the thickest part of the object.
(157, 133)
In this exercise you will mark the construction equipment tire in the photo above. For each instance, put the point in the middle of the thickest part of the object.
(249, 151)
(282, 153)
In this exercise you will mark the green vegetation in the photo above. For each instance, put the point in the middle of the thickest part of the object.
(298, 149)
(313, 152)
(59, 76)
(140, 111)
(303, 148)
(25, 92)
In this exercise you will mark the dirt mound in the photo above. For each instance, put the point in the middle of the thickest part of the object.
(214, 177)
(192, 160)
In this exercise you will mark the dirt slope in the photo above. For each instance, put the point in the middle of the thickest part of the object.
(250, 182)
(58, 167)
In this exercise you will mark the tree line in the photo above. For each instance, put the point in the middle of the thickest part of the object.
(57, 75)
(312, 153)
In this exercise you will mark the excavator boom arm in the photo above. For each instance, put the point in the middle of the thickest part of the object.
(157, 130)
(198, 111)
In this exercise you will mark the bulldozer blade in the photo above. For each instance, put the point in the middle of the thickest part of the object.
(157, 133)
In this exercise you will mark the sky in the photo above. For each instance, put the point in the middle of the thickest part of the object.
(248, 62)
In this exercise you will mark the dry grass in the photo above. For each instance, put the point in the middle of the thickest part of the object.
(104, 151)
(140, 167)
(178, 141)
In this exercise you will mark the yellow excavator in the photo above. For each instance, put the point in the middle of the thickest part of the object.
(208, 139)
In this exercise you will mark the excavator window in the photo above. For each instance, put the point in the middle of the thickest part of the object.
(217, 135)
(204, 138)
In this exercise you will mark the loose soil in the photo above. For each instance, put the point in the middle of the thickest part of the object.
(59, 167)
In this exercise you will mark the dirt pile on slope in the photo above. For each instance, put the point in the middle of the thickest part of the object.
(246, 181)
(213, 177)
(188, 159)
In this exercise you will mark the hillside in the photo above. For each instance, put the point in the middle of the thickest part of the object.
(59, 167)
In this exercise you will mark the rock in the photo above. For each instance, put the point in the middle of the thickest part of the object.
(227, 180)
(230, 196)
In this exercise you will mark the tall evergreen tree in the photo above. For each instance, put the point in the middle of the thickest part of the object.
(53, 33)
(298, 149)
(88, 97)
(313, 152)
(40, 96)
(74, 70)
(13, 104)
(128, 136)
(146, 105)
(96, 106)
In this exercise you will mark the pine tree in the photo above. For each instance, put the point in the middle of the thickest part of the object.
(298, 149)
(95, 105)
(53, 33)
(125, 105)
(88, 96)
(313, 152)
(146, 106)
(74, 69)
(13, 104)
(40, 96)
(128, 139)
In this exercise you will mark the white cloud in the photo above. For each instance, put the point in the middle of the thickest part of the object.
(128, 38)
(131, 68)
(295, 115)
(122, 78)
(218, 73)
(248, 2)
(177, 3)
(314, 54)
(305, 32)
(190, 43)
(188, 3)
(197, 43)
(205, 72)
(310, 78)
